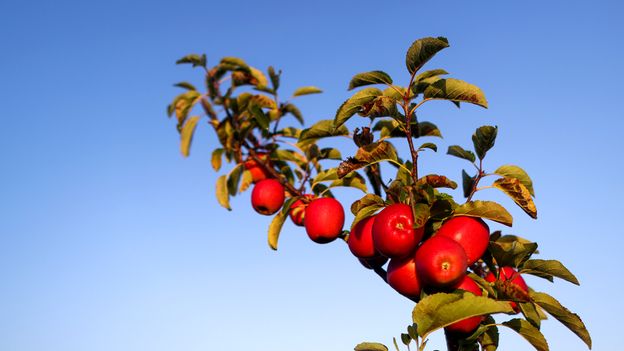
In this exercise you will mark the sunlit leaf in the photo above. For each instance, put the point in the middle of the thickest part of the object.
(322, 129)
(518, 193)
(307, 91)
(216, 158)
(422, 50)
(528, 332)
(458, 151)
(367, 155)
(483, 140)
(186, 136)
(275, 228)
(371, 346)
(194, 59)
(551, 267)
(511, 171)
(368, 78)
(354, 105)
(455, 90)
(571, 320)
(223, 195)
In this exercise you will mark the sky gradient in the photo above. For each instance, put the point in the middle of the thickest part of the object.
(111, 240)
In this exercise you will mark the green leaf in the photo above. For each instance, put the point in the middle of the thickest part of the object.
(365, 207)
(236, 62)
(354, 104)
(430, 146)
(371, 346)
(528, 332)
(439, 310)
(467, 183)
(411, 331)
(485, 209)
(458, 151)
(275, 77)
(489, 339)
(368, 78)
(422, 50)
(518, 193)
(216, 158)
(293, 110)
(421, 213)
(511, 171)
(367, 155)
(529, 311)
(406, 339)
(455, 90)
(275, 228)
(571, 320)
(194, 59)
(223, 195)
(186, 136)
(289, 132)
(234, 179)
(483, 139)
(484, 284)
(430, 74)
(329, 174)
(185, 85)
(511, 253)
(307, 91)
(322, 129)
(437, 181)
(329, 153)
(550, 267)
(261, 118)
(428, 129)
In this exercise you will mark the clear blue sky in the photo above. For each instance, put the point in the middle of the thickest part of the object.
(110, 240)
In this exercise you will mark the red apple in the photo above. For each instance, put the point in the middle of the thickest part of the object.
(324, 219)
(441, 262)
(361, 239)
(402, 277)
(394, 235)
(519, 285)
(468, 325)
(267, 196)
(373, 262)
(297, 210)
(469, 232)
(258, 173)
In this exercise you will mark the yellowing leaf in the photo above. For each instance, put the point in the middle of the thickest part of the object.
(518, 193)
(186, 136)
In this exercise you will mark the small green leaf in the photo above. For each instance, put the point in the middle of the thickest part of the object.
(428, 129)
(406, 339)
(368, 78)
(261, 118)
(518, 193)
(430, 74)
(528, 332)
(485, 209)
(322, 129)
(329, 153)
(422, 50)
(529, 311)
(353, 180)
(223, 195)
(234, 179)
(467, 183)
(186, 136)
(550, 267)
(411, 331)
(483, 139)
(354, 104)
(185, 85)
(371, 346)
(194, 59)
(489, 339)
(437, 181)
(216, 158)
(421, 213)
(236, 62)
(275, 77)
(326, 175)
(293, 110)
(458, 151)
(439, 310)
(275, 228)
(455, 90)
(511, 171)
(365, 207)
(571, 320)
(307, 91)
(431, 146)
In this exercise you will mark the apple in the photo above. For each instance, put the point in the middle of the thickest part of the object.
(373, 262)
(394, 235)
(468, 325)
(324, 218)
(441, 262)
(297, 210)
(402, 277)
(361, 239)
(469, 232)
(515, 279)
(267, 196)
(258, 173)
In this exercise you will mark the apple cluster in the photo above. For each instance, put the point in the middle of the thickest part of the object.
(416, 265)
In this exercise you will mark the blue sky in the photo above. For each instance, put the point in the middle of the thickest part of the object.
(110, 240)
